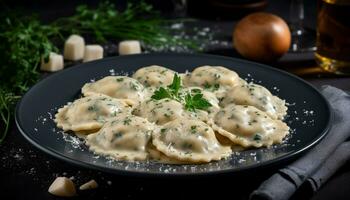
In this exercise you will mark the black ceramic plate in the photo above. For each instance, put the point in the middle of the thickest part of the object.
(308, 114)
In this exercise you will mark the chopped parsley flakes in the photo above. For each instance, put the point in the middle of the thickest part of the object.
(257, 137)
(127, 121)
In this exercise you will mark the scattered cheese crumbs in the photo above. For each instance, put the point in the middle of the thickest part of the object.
(129, 47)
(92, 52)
(74, 48)
(63, 187)
(112, 72)
(54, 63)
(92, 184)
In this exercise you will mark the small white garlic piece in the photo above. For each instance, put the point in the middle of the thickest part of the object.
(92, 52)
(92, 184)
(63, 187)
(74, 48)
(129, 47)
(54, 63)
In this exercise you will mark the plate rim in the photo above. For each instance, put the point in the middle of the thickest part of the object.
(116, 171)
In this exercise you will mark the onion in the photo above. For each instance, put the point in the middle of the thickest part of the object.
(262, 37)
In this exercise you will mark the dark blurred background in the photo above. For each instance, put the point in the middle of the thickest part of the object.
(204, 9)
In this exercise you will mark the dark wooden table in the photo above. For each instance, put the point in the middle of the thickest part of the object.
(26, 172)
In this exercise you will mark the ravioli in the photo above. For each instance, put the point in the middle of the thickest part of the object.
(189, 140)
(249, 126)
(89, 113)
(257, 96)
(120, 87)
(165, 110)
(123, 137)
(213, 77)
(185, 77)
(200, 117)
(154, 76)
(160, 111)
(158, 156)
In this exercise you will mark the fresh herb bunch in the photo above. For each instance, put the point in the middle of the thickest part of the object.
(23, 43)
(138, 21)
(191, 101)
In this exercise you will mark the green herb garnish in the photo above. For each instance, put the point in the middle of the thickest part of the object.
(211, 87)
(191, 102)
(257, 137)
(118, 135)
(175, 86)
(196, 102)
(186, 146)
(127, 121)
(161, 93)
(25, 41)
(171, 91)
(196, 90)
(216, 86)
(206, 85)
(92, 108)
(193, 129)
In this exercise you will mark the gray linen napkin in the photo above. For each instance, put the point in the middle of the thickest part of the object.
(284, 183)
(337, 159)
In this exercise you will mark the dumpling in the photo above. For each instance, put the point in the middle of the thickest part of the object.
(189, 140)
(158, 156)
(89, 113)
(123, 137)
(249, 126)
(160, 111)
(185, 78)
(222, 91)
(213, 77)
(165, 110)
(120, 87)
(154, 76)
(258, 96)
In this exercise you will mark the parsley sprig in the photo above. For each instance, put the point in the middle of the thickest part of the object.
(171, 91)
(175, 86)
(196, 102)
(190, 101)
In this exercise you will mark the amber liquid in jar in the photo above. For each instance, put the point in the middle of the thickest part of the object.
(333, 36)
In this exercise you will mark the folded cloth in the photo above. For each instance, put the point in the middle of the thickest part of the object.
(284, 183)
(337, 159)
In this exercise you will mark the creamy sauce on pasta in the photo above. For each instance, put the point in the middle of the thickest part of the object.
(195, 117)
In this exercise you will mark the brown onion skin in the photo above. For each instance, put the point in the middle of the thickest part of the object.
(262, 37)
